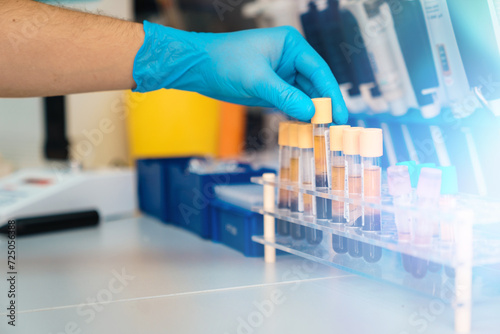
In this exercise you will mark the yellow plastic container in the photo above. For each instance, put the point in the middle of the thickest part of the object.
(169, 123)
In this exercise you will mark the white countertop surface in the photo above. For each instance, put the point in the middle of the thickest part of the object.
(138, 275)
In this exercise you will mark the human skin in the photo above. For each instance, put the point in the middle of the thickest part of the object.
(47, 50)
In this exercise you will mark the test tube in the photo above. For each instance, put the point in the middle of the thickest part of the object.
(306, 176)
(321, 142)
(436, 223)
(306, 165)
(399, 182)
(418, 169)
(353, 185)
(293, 141)
(296, 204)
(371, 150)
(428, 190)
(412, 169)
(339, 244)
(283, 227)
(448, 202)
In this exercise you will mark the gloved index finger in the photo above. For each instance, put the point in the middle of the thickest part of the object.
(310, 64)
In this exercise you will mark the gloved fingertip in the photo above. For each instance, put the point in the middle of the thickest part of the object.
(306, 111)
(340, 113)
(340, 116)
(297, 105)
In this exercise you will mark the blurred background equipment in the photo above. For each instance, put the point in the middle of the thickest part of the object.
(48, 191)
(423, 63)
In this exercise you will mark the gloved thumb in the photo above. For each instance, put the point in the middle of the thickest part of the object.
(285, 97)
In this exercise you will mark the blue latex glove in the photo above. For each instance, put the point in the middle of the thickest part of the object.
(272, 67)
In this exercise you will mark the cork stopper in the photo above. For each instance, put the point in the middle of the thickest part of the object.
(293, 134)
(323, 113)
(305, 135)
(283, 134)
(371, 143)
(351, 140)
(337, 137)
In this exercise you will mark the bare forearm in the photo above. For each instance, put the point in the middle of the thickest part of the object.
(45, 50)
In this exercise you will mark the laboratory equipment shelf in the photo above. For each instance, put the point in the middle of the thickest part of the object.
(459, 262)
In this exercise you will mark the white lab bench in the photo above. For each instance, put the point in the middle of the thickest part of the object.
(175, 282)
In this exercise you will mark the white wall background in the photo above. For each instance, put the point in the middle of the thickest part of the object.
(21, 131)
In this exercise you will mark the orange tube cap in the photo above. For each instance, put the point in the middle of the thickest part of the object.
(323, 113)
(293, 134)
(283, 134)
(371, 143)
(351, 140)
(337, 137)
(305, 135)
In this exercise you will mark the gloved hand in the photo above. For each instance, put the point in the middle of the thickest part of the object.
(272, 67)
